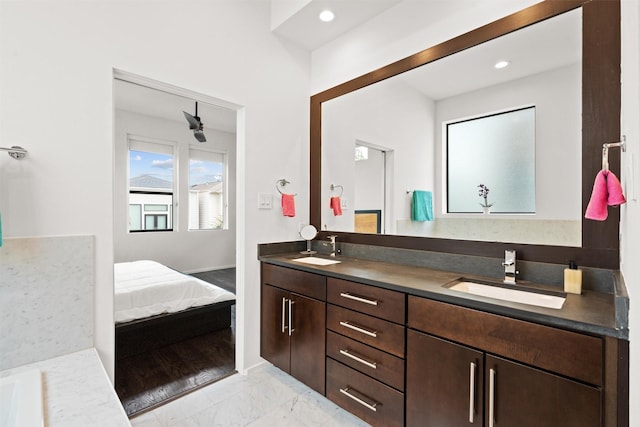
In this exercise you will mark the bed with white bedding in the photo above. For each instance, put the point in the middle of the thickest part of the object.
(156, 306)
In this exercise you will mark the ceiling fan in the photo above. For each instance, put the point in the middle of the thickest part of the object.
(196, 125)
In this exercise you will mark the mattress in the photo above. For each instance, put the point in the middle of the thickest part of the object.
(147, 288)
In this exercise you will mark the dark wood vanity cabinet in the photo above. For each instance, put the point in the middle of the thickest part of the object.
(292, 323)
(466, 367)
(365, 351)
(394, 359)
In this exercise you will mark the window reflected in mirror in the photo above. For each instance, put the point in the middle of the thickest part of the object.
(491, 163)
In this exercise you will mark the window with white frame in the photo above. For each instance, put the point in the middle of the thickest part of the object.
(207, 190)
(151, 185)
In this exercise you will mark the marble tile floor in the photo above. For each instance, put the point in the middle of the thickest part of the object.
(266, 397)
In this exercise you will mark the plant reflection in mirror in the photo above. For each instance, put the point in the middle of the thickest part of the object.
(483, 191)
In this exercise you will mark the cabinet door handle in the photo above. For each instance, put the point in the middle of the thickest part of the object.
(358, 358)
(284, 313)
(492, 393)
(360, 329)
(348, 392)
(472, 390)
(291, 302)
(359, 299)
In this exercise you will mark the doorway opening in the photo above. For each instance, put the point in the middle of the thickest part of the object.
(373, 195)
(175, 186)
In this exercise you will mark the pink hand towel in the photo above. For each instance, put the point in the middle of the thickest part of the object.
(288, 205)
(597, 207)
(614, 190)
(335, 205)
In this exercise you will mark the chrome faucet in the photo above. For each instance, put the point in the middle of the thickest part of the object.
(509, 264)
(333, 245)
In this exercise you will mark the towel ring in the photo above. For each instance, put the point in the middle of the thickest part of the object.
(15, 152)
(605, 151)
(281, 183)
(334, 186)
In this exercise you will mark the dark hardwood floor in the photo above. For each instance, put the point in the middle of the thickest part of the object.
(146, 381)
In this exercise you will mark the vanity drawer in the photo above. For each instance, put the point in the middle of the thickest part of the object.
(301, 282)
(568, 353)
(370, 330)
(379, 302)
(374, 402)
(368, 360)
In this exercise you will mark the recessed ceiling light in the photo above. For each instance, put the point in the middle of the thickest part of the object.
(501, 64)
(326, 16)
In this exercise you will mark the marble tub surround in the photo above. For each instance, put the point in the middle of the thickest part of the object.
(424, 273)
(46, 298)
(76, 391)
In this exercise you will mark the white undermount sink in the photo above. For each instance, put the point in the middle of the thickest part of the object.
(508, 293)
(21, 400)
(316, 261)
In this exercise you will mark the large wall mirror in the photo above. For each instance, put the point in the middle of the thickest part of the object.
(382, 139)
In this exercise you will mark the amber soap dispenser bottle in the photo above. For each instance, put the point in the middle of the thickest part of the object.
(573, 279)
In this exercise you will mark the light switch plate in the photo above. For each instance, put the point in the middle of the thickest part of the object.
(265, 201)
(344, 203)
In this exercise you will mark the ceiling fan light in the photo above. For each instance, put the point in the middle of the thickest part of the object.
(199, 135)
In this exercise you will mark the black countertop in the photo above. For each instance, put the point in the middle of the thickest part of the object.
(591, 312)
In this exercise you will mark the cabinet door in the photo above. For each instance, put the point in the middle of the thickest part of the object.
(274, 333)
(444, 383)
(308, 341)
(518, 395)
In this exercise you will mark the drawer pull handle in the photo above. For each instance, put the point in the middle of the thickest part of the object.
(347, 392)
(360, 329)
(472, 390)
(492, 394)
(359, 299)
(358, 358)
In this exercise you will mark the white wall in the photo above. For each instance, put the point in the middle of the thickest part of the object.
(56, 71)
(184, 250)
(630, 221)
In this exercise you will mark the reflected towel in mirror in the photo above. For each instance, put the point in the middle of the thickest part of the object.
(288, 205)
(422, 206)
(335, 205)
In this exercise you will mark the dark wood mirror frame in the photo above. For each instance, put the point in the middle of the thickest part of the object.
(600, 124)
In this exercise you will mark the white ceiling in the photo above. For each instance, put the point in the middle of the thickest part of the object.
(304, 29)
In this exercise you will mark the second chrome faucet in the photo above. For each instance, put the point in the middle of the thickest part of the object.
(509, 263)
(332, 238)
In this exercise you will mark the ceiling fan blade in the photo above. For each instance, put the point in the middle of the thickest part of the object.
(194, 121)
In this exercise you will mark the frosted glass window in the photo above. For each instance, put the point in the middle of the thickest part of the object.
(498, 152)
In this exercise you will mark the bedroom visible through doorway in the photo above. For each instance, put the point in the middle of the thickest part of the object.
(175, 258)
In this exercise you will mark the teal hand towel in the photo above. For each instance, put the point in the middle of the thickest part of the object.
(422, 206)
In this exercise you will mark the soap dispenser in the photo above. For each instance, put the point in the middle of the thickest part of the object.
(573, 279)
